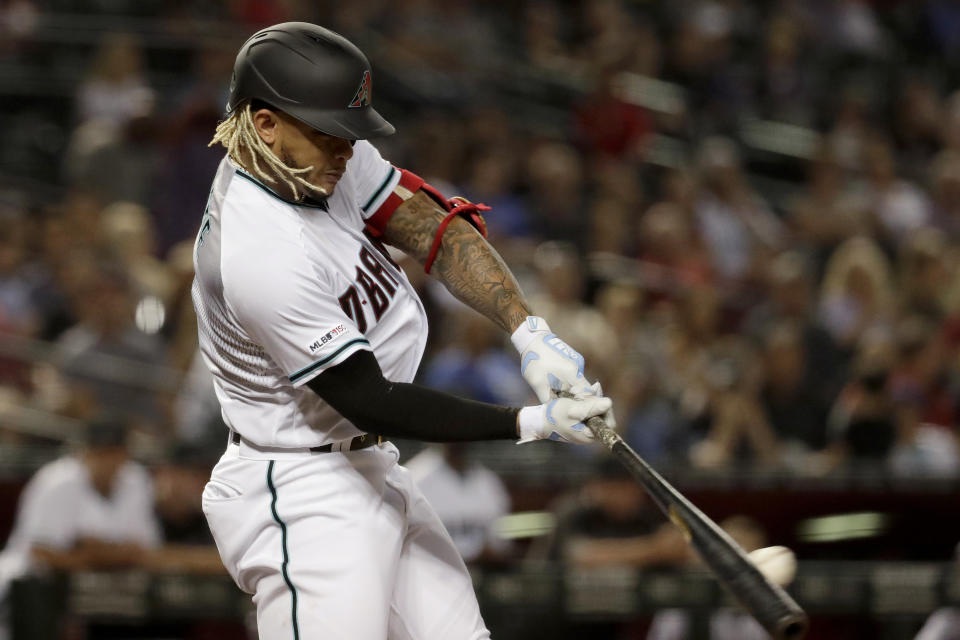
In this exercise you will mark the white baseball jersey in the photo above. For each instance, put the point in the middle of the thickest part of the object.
(284, 291)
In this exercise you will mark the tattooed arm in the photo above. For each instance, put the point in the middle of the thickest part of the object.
(467, 265)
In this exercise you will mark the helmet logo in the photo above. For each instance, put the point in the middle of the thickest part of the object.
(362, 97)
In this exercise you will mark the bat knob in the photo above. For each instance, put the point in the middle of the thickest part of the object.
(793, 627)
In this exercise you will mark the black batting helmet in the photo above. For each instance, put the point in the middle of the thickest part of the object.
(313, 74)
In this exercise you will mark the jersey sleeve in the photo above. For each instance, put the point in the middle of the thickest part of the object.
(292, 312)
(374, 177)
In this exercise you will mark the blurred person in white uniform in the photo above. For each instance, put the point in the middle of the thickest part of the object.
(468, 497)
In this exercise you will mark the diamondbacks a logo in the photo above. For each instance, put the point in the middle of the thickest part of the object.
(362, 97)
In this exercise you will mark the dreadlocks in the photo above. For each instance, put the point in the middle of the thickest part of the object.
(239, 135)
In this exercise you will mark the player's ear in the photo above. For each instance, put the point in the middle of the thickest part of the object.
(267, 125)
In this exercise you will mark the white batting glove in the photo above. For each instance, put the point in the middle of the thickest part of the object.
(547, 363)
(608, 417)
(561, 419)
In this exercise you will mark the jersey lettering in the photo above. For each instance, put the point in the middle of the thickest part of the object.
(378, 285)
(378, 299)
(350, 303)
(374, 267)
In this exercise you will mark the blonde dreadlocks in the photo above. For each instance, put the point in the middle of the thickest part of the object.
(239, 135)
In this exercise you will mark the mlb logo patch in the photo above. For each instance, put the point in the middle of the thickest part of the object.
(328, 337)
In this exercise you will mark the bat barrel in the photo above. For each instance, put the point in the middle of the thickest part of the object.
(772, 607)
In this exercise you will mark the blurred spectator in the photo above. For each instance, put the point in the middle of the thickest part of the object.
(115, 161)
(556, 197)
(197, 419)
(606, 125)
(823, 215)
(647, 417)
(736, 225)
(475, 364)
(18, 314)
(782, 80)
(490, 177)
(738, 427)
(108, 361)
(115, 90)
(895, 205)
(186, 163)
(857, 292)
(862, 423)
(791, 397)
(918, 122)
(611, 522)
(188, 545)
(561, 274)
(542, 38)
(926, 403)
(128, 236)
(849, 132)
(802, 366)
(89, 510)
(670, 257)
(847, 25)
(925, 274)
(944, 179)
(610, 223)
(468, 498)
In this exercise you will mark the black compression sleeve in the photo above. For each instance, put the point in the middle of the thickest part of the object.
(357, 389)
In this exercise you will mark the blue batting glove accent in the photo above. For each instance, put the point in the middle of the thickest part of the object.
(555, 383)
(550, 406)
(527, 359)
(579, 426)
(556, 437)
(566, 351)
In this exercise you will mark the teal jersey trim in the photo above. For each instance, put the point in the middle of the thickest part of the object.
(283, 544)
(376, 194)
(319, 363)
(244, 174)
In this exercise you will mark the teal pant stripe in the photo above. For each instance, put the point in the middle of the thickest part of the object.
(283, 544)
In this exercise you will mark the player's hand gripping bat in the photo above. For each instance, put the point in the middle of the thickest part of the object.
(773, 608)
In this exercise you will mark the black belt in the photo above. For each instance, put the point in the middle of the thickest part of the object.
(362, 441)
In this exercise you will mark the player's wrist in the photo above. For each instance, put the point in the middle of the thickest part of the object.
(529, 423)
(528, 331)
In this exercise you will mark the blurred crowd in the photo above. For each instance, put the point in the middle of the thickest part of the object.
(744, 214)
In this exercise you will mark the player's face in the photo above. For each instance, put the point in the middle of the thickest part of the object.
(299, 146)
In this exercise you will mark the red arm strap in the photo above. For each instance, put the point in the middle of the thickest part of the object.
(378, 221)
(457, 206)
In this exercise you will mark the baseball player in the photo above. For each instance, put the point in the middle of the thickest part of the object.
(313, 335)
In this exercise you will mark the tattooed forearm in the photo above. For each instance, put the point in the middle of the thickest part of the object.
(467, 265)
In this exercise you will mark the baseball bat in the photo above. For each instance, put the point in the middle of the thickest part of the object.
(772, 607)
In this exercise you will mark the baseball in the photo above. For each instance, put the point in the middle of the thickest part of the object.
(777, 564)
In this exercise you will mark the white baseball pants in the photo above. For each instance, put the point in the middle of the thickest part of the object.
(338, 546)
